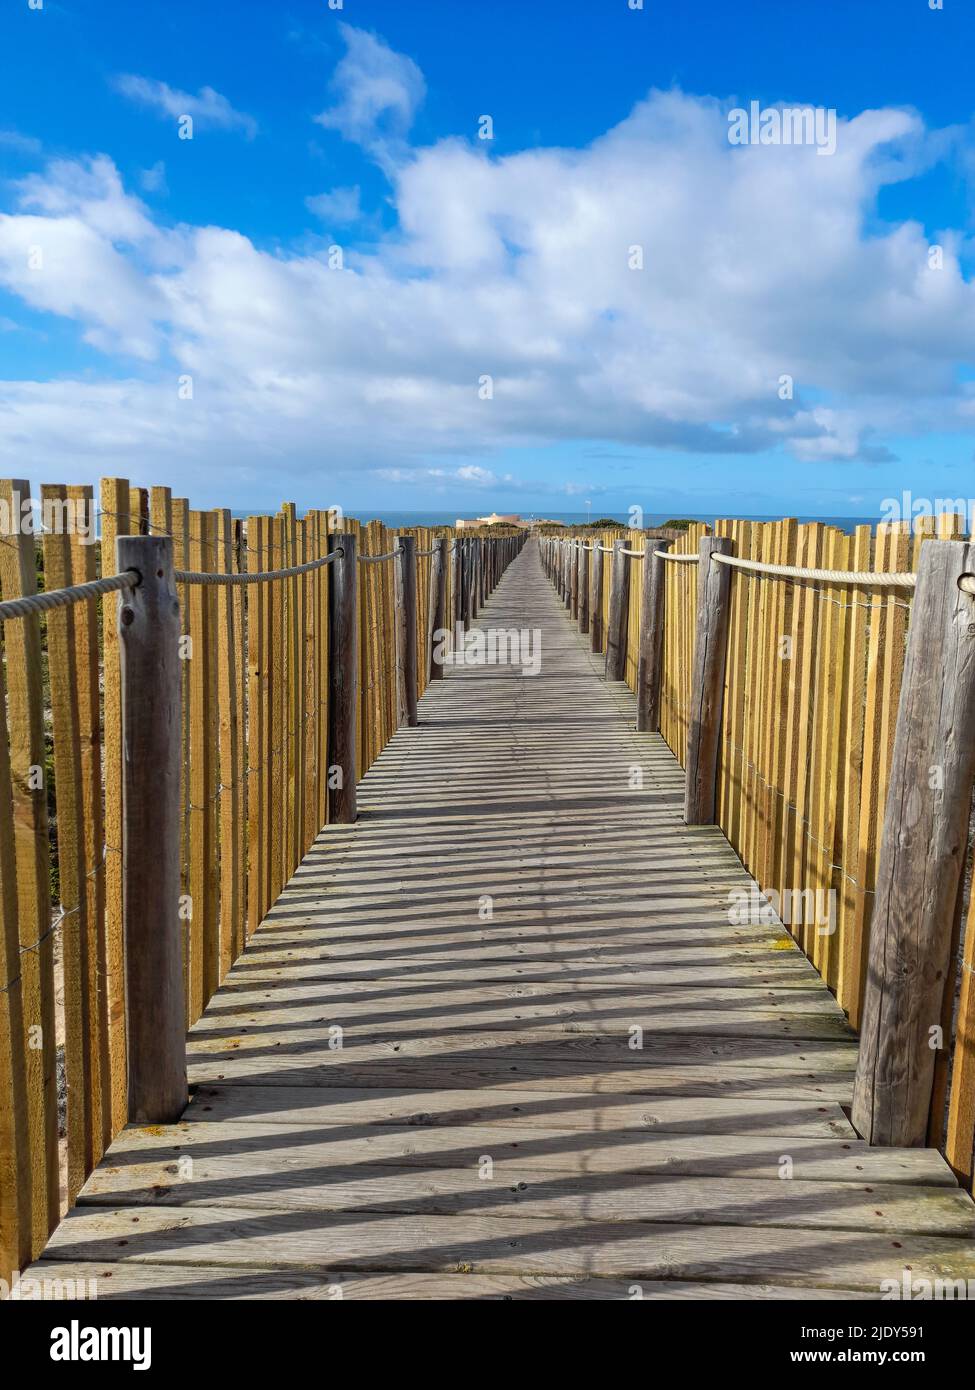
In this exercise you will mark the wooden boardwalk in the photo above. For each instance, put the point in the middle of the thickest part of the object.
(500, 1039)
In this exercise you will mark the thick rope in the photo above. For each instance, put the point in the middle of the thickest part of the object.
(374, 559)
(63, 598)
(893, 580)
(680, 559)
(192, 577)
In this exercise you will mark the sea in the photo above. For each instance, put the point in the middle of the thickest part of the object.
(432, 518)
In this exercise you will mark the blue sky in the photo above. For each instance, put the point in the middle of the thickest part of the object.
(186, 321)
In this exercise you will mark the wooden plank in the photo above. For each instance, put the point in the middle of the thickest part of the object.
(277, 787)
(17, 1162)
(297, 1176)
(80, 1005)
(258, 726)
(960, 1127)
(547, 1109)
(230, 719)
(148, 1281)
(87, 676)
(204, 930)
(852, 945)
(28, 774)
(181, 561)
(268, 1238)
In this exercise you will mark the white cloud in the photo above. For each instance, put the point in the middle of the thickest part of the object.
(20, 144)
(758, 262)
(377, 92)
(153, 179)
(208, 108)
(341, 206)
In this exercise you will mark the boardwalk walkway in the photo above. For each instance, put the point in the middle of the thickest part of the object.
(425, 1078)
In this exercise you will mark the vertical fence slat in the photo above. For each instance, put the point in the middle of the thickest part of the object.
(20, 1175)
(114, 523)
(204, 928)
(25, 706)
(229, 722)
(79, 1034)
(257, 732)
(83, 552)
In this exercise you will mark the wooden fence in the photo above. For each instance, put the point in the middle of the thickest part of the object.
(247, 732)
(844, 786)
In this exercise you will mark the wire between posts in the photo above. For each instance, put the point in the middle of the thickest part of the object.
(192, 577)
(63, 598)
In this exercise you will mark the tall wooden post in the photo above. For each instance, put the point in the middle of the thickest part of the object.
(574, 579)
(922, 856)
(707, 682)
(406, 558)
(155, 1005)
(468, 583)
(343, 677)
(583, 588)
(619, 594)
(651, 638)
(596, 598)
(438, 605)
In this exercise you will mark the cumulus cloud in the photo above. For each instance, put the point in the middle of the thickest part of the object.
(377, 92)
(758, 263)
(208, 108)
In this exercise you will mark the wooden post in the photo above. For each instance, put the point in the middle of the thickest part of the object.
(707, 682)
(438, 604)
(407, 560)
(583, 588)
(619, 594)
(596, 598)
(922, 856)
(343, 678)
(468, 583)
(457, 604)
(574, 578)
(155, 1004)
(651, 639)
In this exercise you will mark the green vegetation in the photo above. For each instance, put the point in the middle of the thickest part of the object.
(677, 525)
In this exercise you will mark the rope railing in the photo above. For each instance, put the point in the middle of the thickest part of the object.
(677, 559)
(202, 577)
(374, 559)
(63, 598)
(891, 580)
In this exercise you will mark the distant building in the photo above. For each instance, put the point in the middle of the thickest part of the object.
(510, 519)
